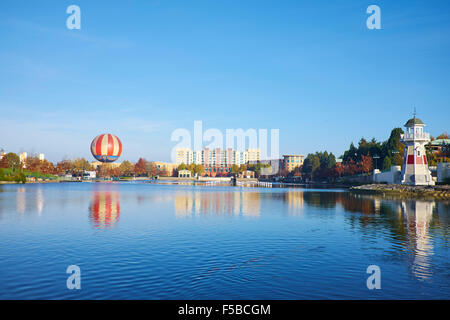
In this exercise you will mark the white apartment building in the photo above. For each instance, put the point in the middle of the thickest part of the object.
(253, 155)
(216, 157)
(184, 155)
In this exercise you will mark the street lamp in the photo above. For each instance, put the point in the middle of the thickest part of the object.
(376, 157)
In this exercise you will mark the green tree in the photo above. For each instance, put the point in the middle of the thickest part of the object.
(311, 164)
(387, 164)
(393, 148)
(20, 177)
(199, 169)
(13, 160)
(182, 166)
(327, 160)
(351, 153)
(191, 168)
(234, 169)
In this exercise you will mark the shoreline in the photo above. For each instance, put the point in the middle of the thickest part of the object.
(407, 191)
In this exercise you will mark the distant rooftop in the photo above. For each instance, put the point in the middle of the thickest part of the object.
(440, 142)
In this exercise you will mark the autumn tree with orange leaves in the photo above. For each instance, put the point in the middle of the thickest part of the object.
(366, 163)
(140, 167)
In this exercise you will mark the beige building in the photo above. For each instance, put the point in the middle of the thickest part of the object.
(95, 164)
(247, 174)
(23, 158)
(184, 174)
(165, 169)
(253, 155)
(290, 162)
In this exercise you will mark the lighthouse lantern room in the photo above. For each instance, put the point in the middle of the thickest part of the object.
(415, 166)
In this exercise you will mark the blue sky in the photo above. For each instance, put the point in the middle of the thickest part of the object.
(141, 69)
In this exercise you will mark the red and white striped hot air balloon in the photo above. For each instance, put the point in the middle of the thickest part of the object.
(106, 148)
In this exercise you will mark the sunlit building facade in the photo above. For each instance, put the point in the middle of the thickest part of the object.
(165, 169)
(217, 161)
(96, 164)
(290, 162)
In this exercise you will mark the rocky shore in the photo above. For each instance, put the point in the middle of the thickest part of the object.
(440, 192)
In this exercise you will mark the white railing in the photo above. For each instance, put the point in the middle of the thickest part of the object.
(415, 136)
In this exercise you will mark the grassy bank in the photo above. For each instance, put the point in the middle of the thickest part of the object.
(20, 176)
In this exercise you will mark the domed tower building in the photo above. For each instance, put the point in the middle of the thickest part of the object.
(415, 166)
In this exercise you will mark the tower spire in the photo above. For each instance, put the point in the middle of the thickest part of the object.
(414, 112)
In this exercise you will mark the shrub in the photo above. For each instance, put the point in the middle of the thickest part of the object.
(20, 177)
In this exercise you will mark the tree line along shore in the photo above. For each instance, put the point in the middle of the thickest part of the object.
(319, 167)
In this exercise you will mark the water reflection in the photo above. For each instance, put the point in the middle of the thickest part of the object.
(26, 203)
(105, 208)
(410, 226)
(310, 230)
(409, 223)
(294, 200)
(418, 217)
(406, 223)
(21, 200)
(217, 203)
(39, 201)
(234, 203)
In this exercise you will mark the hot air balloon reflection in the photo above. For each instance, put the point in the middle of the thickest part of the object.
(105, 209)
(106, 147)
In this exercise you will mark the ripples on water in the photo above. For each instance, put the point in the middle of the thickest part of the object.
(149, 241)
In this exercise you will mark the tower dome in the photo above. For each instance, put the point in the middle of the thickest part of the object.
(414, 122)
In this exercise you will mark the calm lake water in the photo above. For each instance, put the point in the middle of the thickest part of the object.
(156, 241)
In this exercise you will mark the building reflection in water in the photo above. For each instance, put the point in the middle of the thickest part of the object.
(409, 222)
(105, 209)
(295, 201)
(217, 203)
(21, 200)
(233, 203)
(418, 215)
(39, 201)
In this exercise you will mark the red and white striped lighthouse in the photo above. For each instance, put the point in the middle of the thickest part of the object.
(415, 166)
